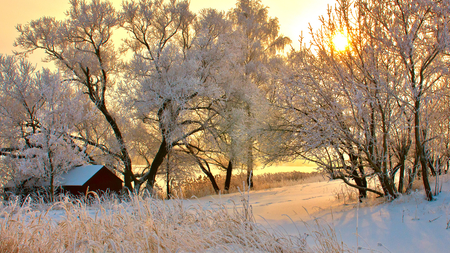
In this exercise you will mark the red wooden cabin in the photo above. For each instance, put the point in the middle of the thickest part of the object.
(98, 178)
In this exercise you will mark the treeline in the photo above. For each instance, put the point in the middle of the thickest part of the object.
(186, 92)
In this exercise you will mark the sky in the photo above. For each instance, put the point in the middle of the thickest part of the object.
(293, 15)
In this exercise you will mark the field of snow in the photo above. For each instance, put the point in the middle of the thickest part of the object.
(407, 224)
(309, 217)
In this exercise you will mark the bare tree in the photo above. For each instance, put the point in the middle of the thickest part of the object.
(417, 33)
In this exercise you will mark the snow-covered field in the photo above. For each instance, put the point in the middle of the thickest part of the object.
(284, 218)
(407, 224)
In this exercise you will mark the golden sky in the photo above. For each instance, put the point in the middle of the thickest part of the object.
(293, 15)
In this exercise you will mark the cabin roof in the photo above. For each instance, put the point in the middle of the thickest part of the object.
(80, 175)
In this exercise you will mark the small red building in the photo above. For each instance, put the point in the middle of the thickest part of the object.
(96, 178)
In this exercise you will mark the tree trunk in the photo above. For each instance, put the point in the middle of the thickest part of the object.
(420, 149)
(387, 185)
(361, 182)
(213, 181)
(412, 175)
(228, 176)
(426, 183)
(52, 169)
(432, 166)
(402, 177)
(124, 155)
(250, 165)
(168, 177)
(208, 174)
(52, 188)
(360, 179)
(150, 177)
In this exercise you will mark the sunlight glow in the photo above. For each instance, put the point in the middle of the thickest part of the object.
(340, 41)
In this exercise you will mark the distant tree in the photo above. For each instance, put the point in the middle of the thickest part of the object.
(259, 42)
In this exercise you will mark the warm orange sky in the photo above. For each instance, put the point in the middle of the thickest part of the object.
(294, 15)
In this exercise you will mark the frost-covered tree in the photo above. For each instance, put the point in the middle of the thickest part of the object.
(259, 42)
(38, 114)
(82, 48)
(417, 32)
(174, 82)
(367, 111)
(174, 72)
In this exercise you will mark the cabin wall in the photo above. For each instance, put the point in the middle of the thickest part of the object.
(104, 180)
(75, 189)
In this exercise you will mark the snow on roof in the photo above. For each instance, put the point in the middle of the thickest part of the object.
(80, 175)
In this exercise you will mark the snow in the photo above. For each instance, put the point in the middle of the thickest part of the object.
(80, 175)
(407, 224)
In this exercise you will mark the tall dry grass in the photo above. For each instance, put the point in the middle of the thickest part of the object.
(145, 224)
(325, 238)
(137, 225)
(201, 186)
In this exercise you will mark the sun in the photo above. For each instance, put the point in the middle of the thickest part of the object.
(340, 41)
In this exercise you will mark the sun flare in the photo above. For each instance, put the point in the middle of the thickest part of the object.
(340, 41)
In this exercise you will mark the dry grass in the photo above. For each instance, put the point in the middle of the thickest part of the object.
(137, 225)
(144, 224)
(346, 194)
(325, 238)
(201, 186)
(350, 195)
